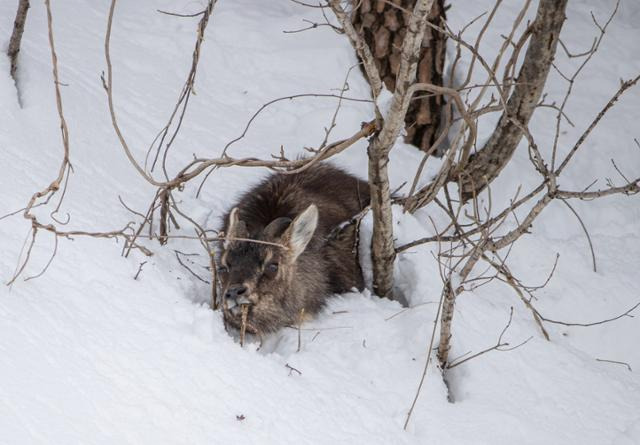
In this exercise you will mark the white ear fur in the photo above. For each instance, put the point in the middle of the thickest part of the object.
(301, 231)
(233, 226)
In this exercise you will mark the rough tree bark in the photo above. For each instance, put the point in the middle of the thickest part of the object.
(485, 165)
(382, 248)
(383, 27)
(16, 36)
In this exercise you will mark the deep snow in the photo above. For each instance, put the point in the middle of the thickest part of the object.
(90, 355)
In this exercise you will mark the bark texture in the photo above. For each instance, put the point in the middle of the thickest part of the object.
(382, 248)
(383, 26)
(383, 252)
(485, 165)
(16, 36)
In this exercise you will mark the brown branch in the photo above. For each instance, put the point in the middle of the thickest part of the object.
(188, 268)
(586, 232)
(224, 157)
(187, 90)
(616, 362)
(46, 266)
(205, 243)
(54, 186)
(595, 323)
(314, 25)
(499, 346)
(511, 281)
(244, 308)
(451, 291)
(426, 364)
(308, 5)
(624, 86)
(362, 49)
(300, 321)
(16, 36)
(629, 189)
(108, 85)
(571, 80)
(175, 14)
(340, 97)
(485, 165)
(287, 365)
(412, 203)
(135, 277)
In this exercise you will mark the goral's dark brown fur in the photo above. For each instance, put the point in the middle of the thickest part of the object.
(280, 286)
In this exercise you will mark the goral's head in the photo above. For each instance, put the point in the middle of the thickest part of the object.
(260, 274)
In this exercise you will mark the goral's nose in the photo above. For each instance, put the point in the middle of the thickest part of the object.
(237, 293)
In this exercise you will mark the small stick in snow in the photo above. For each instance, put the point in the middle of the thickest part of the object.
(243, 326)
(616, 362)
(177, 252)
(426, 365)
(292, 369)
(135, 277)
(300, 320)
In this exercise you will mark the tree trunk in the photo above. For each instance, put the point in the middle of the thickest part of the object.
(382, 248)
(16, 36)
(484, 166)
(383, 26)
(389, 128)
(383, 252)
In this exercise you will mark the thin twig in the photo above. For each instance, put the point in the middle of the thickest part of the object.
(586, 232)
(595, 323)
(426, 364)
(616, 362)
(499, 346)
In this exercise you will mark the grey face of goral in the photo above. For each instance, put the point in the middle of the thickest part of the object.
(262, 275)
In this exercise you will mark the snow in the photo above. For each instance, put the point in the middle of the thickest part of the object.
(91, 355)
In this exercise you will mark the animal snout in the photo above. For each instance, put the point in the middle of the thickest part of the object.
(236, 291)
(236, 295)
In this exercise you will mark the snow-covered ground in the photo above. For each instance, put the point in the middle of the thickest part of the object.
(90, 355)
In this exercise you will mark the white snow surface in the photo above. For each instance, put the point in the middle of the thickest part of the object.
(92, 356)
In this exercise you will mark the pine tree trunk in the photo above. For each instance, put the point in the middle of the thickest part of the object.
(383, 27)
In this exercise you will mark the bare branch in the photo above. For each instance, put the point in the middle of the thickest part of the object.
(595, 323)
(16, 36)
(586, 232)
(616, 362)
(499, 346)
(363, 50)
(629, 189)
(426, 364)
(488, 162)
(624, 86)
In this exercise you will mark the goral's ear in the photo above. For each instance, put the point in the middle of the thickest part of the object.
(235, 228)
(300, 232)
(276, 228)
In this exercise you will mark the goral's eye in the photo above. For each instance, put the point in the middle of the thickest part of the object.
(271, 270)
(223, 269)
